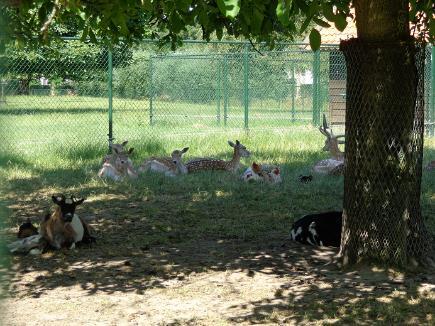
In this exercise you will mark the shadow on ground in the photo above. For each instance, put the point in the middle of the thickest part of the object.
(157, 229)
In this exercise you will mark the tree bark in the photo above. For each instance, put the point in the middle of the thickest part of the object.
(384, 140)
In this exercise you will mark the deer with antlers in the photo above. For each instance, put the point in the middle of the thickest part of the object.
(201, 164)
(170, 166)
(335, 164)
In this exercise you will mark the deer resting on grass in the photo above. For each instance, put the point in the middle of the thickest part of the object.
(232, 165)
(335, 164)
(118, 165)
(170, 166)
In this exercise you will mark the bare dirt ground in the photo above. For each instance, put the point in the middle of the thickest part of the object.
(169, 270)
(210, 283)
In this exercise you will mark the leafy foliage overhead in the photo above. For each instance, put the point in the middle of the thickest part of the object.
(111, 21)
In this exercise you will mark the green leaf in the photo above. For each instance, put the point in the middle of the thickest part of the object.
(315, 39)
(328, 12)
(321, 22)
(147, 5)
(230, 8)
(305, 24)
(340, 22)
(282, 11)
(432, 31)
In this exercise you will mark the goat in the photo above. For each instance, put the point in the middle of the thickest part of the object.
(322, 229)
(64, 228)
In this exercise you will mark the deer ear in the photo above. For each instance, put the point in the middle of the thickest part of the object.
(185, 149)
(237, 142)
(124, 143)
(115, 150)
(130, 150)
(231, 143)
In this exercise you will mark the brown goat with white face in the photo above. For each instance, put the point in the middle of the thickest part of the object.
(63, 228)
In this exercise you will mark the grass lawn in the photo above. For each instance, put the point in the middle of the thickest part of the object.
(199, 249)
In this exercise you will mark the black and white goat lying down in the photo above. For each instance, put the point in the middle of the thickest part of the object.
(323, 229)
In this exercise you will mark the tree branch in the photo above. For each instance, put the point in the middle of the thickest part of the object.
(54, 12)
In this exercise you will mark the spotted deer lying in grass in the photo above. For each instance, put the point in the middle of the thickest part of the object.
(170, 166)
(118, 165)
(335, 164)
(63, 228)
(200, 164)
(265, 173)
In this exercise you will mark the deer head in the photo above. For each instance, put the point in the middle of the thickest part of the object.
(176, 157)
(239, 149)
(120, 148)
(331, 141)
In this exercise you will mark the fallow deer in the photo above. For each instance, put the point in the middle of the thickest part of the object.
(233, 165)
(170, 166)
(118, 165)
(64, 228)
(335, 164)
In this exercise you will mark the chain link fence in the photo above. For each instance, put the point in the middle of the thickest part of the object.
(74, 93)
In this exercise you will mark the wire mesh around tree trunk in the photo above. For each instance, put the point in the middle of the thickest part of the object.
(384, 145)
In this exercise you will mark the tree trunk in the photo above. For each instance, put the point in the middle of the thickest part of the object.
(24, 85)
(384, 139)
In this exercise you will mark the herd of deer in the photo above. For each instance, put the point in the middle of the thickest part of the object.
(64, 229)
(118, 165)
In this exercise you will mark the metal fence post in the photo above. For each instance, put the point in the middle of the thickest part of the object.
(151, 89)
(293, 89)
(218, 95)
(110, 94)
(316, 78)
(225, 86)
(432, 93)
(245, 84)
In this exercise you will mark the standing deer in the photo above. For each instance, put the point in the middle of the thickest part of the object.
(335, 164)
(217, 164)
(170, 166)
